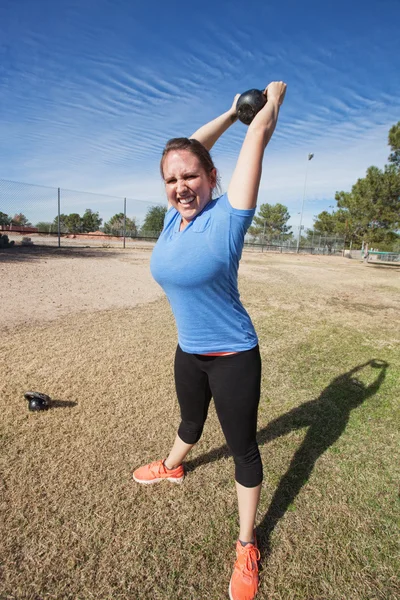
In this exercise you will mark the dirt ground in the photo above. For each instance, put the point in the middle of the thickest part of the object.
(40, 284)
(43, 284)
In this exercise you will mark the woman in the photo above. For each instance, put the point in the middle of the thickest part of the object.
(196, 262)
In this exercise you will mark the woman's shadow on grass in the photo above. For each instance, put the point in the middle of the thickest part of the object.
(326, 418)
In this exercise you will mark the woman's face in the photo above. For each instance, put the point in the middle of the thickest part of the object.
(188, 186)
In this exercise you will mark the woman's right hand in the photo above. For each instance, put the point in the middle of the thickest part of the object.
(232, 110)
(276, 91)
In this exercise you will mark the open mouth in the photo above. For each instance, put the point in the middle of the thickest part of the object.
(186, 201)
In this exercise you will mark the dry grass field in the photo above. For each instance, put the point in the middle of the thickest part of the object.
(91, 329)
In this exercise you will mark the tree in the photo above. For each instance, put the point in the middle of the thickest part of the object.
(69, 223)
(345, 226)
(271, 220)
(74, 223)
(394, 143)
(20, 220)
(115, 226)
(45, 227)
(373, 205)
(90, 221)
(63, 223)
(371, 211)
(325, 223)
(4, 219)
(154, 221)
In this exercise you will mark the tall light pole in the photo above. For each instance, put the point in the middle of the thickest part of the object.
(263, 237)
(310, 156)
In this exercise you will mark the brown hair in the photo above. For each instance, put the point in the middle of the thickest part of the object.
(196, 148)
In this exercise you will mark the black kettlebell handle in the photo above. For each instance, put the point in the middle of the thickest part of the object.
(37, 400)
(249, 104)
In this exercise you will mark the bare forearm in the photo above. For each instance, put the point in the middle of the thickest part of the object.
(264, 123)
(249, 164)
(243, 188)
(209, 133)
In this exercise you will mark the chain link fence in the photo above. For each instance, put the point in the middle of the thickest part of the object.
(33, 214)
(309, 242)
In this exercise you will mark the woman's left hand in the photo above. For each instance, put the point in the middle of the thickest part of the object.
(276, 90)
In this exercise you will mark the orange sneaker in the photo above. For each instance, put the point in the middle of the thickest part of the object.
(244, 580)
(157, 471)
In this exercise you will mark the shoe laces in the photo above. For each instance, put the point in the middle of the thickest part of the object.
(156, 467)
(251, 557)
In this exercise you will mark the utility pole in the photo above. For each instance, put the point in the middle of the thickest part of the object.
(310, 156)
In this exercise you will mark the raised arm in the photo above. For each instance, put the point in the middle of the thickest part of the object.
(208, 134)
(245, 182)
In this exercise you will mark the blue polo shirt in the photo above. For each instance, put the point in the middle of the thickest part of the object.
(198, 270)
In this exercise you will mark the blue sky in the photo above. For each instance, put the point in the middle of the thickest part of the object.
(91, 90)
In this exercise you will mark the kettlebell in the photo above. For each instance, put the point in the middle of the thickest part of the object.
(249, 104)
(37, 400)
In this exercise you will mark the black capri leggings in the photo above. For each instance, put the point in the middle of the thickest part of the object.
(234, 383)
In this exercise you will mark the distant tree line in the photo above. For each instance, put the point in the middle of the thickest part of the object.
(19, 220)
(90, 221)
(370, 212)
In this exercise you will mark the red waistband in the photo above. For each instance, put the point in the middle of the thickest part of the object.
(218, 353)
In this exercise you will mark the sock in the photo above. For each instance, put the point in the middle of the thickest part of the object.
(245, 543)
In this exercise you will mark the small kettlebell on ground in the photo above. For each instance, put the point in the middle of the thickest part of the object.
(249, 104)
(37, 400)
